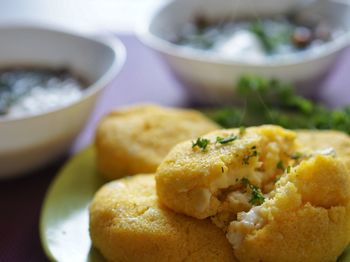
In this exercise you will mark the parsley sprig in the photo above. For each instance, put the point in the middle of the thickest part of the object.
(257, 197)
(225, 140)
(296, 155)
(242, 131)
(201, 143)
(288, 169)
(280, 165)
(270, 101)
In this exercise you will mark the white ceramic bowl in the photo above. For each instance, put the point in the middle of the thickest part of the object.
(30, 141)
(211, 78)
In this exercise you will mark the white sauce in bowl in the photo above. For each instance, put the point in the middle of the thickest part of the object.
(25, 91)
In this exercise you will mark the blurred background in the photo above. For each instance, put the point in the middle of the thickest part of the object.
(85, 15)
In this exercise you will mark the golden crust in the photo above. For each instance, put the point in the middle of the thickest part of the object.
(308, 218)
(189, 178)
(135, 139)
(310, 234)
(305, 215)
(127, 224)
(321, 139)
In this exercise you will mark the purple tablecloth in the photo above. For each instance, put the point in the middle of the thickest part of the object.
(144, 78)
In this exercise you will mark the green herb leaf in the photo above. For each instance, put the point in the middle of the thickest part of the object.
(201, 143)
(225, 140)
(245, 181)
(241, 131)
(259, 30)
(280, 165)
(257, 197)
(296, 155)
(276, 179)
(288, 169)
(270, 101)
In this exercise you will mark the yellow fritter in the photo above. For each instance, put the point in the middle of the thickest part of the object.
(127, 224)
(192, 181)
(323, 139)
(134, 140)
(306, 218)
(276, 197)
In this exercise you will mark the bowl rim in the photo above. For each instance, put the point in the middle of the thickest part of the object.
(108, 40)
(163, 46)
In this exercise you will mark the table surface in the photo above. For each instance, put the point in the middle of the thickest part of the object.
(144, 78)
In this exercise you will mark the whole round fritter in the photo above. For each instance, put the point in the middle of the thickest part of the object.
(128, 224)
(135, 140)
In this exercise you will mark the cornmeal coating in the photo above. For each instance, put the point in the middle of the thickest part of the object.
(192, 181)
(306, 218)
(135, 140)
(127, 224)
(277, 197)
(323, 139)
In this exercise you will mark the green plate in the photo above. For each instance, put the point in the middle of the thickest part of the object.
(64, 228)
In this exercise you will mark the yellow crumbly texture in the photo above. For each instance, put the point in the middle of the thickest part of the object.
(307, 218)
(127, 224)
(305, 214)
(135, 139)
(190, 180)
(323, 139)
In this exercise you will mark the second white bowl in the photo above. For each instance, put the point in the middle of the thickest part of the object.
(211, 79)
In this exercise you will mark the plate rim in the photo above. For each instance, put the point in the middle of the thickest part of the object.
(44, 207)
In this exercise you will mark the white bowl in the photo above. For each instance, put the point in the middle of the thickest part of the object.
(211, 78)
(33, 140)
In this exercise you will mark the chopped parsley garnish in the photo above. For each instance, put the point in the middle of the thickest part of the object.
(253, 153)
(201, 143)
(225, 140)
(296, 155)
(245, 181)
(276, 179)
(257, 197)
(242, 131)
(280, 165)
(288, 169)
(260, 32)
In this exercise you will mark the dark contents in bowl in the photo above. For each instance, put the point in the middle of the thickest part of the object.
(26, 90)
(256, 37)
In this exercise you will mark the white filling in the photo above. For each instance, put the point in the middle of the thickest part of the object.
(233, 176)
(330, 151)
(235, 238)
(238, 197)
(247, 222)
(202, 199)
(251, 219)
